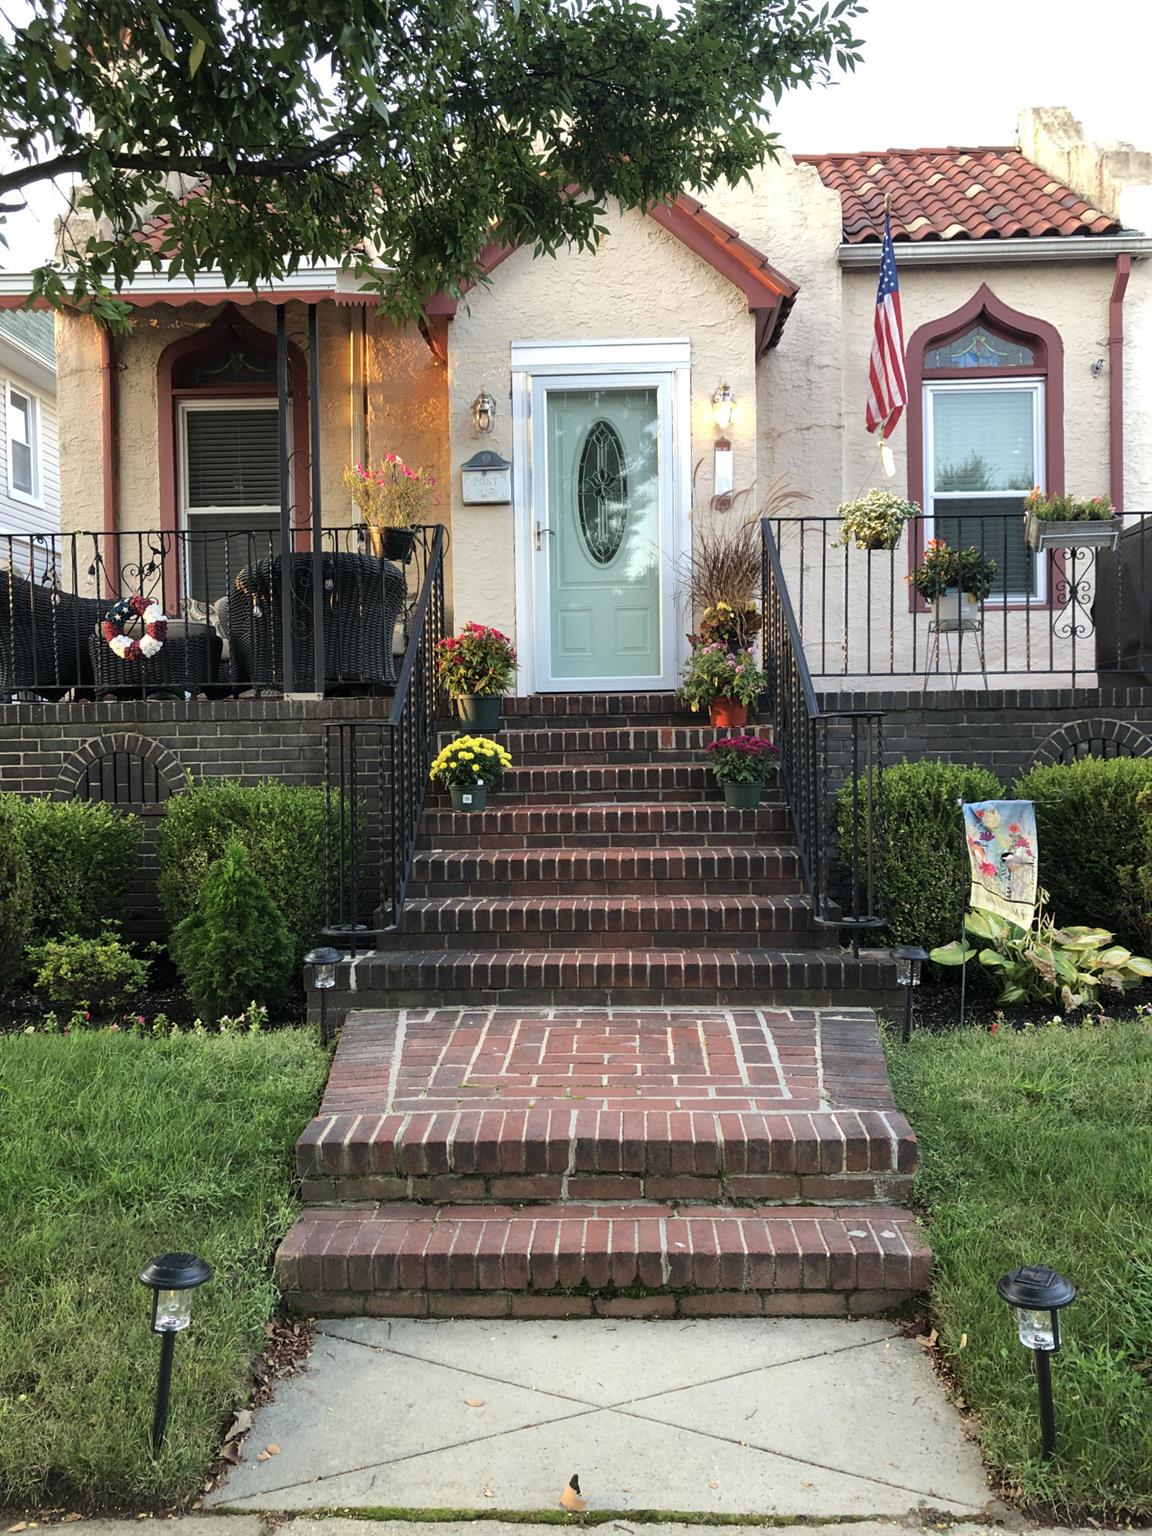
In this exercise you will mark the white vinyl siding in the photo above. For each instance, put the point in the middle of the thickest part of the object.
(19, 513)
(229, 489)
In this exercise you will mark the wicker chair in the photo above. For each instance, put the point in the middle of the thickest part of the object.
(363, 599)
(44, 637)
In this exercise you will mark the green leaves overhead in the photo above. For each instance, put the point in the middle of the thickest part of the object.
(403, 137)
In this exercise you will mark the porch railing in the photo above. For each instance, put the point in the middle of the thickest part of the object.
(813, 744)
(376, 778)
(246, 611)
(1078, 614)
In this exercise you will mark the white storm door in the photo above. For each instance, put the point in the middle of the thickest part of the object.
(602, 531)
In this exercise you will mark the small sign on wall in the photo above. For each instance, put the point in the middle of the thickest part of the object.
(723, 475)
(486, 480)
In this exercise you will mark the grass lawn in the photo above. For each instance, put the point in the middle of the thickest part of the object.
(115, 1149)
(1036, 1147)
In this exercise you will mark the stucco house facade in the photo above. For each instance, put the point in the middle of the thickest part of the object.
(1030, 258)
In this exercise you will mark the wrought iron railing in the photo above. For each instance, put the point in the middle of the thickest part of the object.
(819, 748)
(376, 778)
(245, 613)
(1077, 614)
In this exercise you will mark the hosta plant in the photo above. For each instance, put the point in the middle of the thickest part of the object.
(1046, 963)
(874, 520)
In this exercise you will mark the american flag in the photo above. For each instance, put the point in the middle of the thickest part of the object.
(887, 382)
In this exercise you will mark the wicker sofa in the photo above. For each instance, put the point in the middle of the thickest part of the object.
(44, 637)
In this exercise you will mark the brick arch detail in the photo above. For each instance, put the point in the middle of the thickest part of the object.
(174, 777)
(1133, 741)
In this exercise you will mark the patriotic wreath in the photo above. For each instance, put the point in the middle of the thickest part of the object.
(155, 628)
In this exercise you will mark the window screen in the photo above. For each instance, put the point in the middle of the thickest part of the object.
(233, 495)
(22, 442)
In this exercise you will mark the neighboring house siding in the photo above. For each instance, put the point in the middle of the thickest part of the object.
(16, 515)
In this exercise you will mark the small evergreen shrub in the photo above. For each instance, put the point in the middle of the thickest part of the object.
(15, 892)
(1093, 832)
(82, 856)
(282, 828)
(922, 861)
(234, 948)
(100, 974)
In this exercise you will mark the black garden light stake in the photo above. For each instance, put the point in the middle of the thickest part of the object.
(172, 1279)
(909, 961)
(1037, 1294)
(324, 962)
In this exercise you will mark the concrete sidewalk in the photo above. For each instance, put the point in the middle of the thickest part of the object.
(809, 1418)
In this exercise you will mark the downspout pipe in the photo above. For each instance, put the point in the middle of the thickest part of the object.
(1116, 382)
(109, 454)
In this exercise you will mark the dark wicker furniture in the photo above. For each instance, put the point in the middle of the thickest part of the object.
(189, 660)
(44, 637)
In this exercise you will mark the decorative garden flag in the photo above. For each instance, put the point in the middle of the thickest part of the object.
(1002, 849)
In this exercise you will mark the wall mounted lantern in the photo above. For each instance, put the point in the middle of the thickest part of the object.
(483, 412)
(172, 1279)
(1037, 1294)
(723, 407)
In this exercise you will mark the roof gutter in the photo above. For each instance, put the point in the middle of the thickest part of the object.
(993, 253)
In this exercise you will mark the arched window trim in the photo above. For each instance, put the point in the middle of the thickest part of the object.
(227, 330)
(1048, 348)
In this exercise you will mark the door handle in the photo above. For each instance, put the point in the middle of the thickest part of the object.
(540, 532)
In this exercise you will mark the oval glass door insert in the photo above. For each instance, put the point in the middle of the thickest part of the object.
(602, 492)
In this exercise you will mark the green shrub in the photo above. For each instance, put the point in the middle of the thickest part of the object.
(1089, 827)
(15, 891)
(922, 866)
(235, 947)
(282, 828)
(101, 974)
(83, 856)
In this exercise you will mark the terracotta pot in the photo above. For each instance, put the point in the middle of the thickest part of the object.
(468, 797)
(726, 713)
(479, 711)
(742, 797)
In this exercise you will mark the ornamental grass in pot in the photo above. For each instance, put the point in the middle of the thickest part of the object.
(742, 764)
(393, 499)
(468, 768)
(955, 582)
(475, 667)
(725, 683)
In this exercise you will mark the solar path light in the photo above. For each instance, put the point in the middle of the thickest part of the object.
(909, 962)
(173, 1278)
(324, 962)
(1036, 1294)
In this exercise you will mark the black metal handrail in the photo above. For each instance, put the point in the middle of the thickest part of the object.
(376, 778)
(812, 743)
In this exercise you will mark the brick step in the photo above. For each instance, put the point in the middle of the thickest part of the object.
(606, 872)
(583, 922)
(633, 825)
(612, 977)
(594, 709)
(560, 1149)
(563, 784)
(609, 1260)
(599, 745)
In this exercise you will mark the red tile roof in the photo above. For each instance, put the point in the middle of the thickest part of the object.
(954, 194)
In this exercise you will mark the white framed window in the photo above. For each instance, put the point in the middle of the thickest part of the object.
(229, 482)
(983, 453)
(22, 415)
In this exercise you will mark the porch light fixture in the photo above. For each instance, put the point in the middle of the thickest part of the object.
(483, 412)
(172, 1279)
(1037, 1294)
(723, 407)
(324, 962)
(909, 962)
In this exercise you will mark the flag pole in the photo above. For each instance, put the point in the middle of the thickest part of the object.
(963, 939)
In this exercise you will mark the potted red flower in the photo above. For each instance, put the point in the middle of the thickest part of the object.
(476, 667)
(741, 765)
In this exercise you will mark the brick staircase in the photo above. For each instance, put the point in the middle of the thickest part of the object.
(609, 1066)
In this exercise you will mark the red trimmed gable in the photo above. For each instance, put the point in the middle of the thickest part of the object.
(954, 194)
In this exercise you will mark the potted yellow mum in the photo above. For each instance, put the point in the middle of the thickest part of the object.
(468, 768)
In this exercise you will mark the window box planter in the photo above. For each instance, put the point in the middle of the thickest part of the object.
(955, 610)
(1095, 533)
(469, 797)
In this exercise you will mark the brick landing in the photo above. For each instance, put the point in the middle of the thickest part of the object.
(491, 1158)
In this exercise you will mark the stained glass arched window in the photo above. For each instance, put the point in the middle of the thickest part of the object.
(979, 347)
(602, 492)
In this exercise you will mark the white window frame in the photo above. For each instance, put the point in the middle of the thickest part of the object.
(186, 408)
(1035, 387)
(35, 497)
